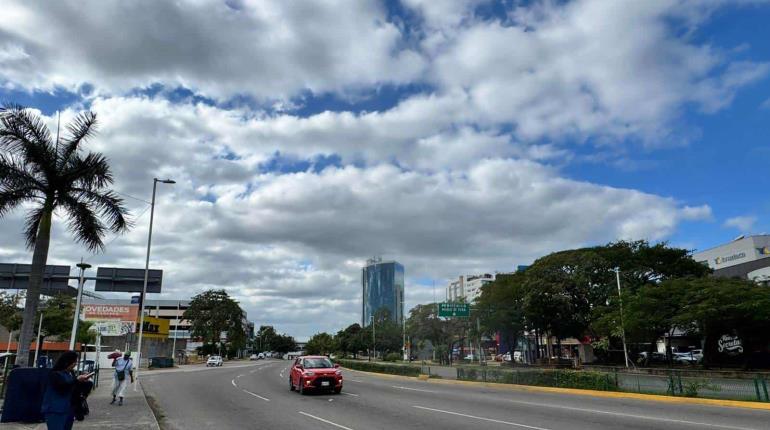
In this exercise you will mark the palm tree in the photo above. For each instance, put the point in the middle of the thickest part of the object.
(50, 177)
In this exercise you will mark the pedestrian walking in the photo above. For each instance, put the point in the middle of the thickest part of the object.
(59, 402)
(124, 369)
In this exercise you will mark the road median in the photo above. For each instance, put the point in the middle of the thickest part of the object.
(579, 392)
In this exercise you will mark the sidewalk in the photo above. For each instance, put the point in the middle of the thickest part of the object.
(135, 414)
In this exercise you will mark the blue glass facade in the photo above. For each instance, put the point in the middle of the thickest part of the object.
(383, 287)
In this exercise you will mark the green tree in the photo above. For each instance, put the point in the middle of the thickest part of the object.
(213, 312)
(266, 337)
(321, 344)
(10, 313)
(712, 307)
(48, 176)
(500, 308)
(58, 312)
(351, 340)
(283, 343)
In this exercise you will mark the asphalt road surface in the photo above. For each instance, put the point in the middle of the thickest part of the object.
(242, 395)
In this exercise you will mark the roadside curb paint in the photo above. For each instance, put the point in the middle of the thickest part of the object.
(579, 392)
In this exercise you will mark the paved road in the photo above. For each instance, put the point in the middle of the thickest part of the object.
(256, 395)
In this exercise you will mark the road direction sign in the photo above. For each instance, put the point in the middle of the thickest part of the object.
(127, 280)
(454, 310)
(55, 278)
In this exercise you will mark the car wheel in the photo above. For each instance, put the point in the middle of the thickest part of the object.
(291, 386)
(301, 388)
(337, 390)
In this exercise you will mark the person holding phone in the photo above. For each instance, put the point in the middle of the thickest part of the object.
(58, 406)
(124, 369)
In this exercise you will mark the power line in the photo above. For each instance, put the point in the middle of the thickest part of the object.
(132, 197)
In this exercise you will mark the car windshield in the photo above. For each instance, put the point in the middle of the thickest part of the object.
(317, 363)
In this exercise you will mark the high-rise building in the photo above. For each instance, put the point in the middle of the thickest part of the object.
(467, 288)
(383, 288)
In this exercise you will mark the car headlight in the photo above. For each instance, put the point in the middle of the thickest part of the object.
(309, 374)
(339, 373)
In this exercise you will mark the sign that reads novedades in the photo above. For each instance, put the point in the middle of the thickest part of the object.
(729, 258)
(93, 312)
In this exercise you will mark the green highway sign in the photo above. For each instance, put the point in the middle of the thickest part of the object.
(454, 310)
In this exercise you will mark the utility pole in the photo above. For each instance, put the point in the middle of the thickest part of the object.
(374, 342)
(622, 326)
(176, 329)
(146, 276)
(37, 343)
(83, 266)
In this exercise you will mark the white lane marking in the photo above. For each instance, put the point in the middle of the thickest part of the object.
(413, 389)
(239, 376)
(481, 418)
(350, 394)
(353, 380)
(233, 381)
(324, 421)
(620, 414)
(256, 395)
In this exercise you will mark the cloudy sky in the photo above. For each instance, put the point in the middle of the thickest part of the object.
(455, 136)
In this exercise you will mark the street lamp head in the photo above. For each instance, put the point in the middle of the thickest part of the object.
(165, 181)
(83, 266)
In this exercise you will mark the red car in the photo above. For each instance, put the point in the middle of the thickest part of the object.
(315, 373)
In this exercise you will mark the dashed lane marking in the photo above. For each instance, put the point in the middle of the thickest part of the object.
(620, 414)
(350, 394)
(413, 389)
(256, 395)
(324, 421)
(512, 424)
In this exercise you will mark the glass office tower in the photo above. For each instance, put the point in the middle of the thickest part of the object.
(383, 288)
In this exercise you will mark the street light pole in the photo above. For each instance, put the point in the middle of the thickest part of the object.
(37, 343)
(81, 281)
(374, 342)
(146, 275)
(176, 329)
(622, 326)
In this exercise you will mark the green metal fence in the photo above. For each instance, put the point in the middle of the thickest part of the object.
(673, 384)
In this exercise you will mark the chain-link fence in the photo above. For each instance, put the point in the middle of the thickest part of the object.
(672, 384)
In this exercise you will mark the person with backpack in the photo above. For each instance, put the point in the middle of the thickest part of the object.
(124, 369)
(65, 394)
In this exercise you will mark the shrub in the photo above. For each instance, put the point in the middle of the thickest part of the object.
(392, 369)
(392, 356)
(544, 378)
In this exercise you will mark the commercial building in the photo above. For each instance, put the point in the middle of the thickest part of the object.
(467, 288)
(382, 283)
(746, 257)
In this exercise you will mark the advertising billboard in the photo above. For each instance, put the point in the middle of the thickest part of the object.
(105, 312)
(155, 328)
(113, 328)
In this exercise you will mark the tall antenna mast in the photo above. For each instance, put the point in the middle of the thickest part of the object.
(58, 124)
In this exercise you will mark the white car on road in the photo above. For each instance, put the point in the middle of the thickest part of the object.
(214, 361)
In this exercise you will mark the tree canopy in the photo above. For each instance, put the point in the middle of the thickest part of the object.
(214, 312)
(44, 175)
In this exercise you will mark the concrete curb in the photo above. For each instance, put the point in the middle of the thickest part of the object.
(152, 411)
(578, 392)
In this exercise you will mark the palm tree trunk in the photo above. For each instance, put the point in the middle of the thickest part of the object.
(39, 259)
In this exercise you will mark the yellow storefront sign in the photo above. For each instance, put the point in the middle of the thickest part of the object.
(154, 328)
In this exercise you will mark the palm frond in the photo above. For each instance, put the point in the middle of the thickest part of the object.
(26, 135)
(90, 173)
(84, 223)
(108, 206)
(80, 129)
(31, 225)
(13, 173)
